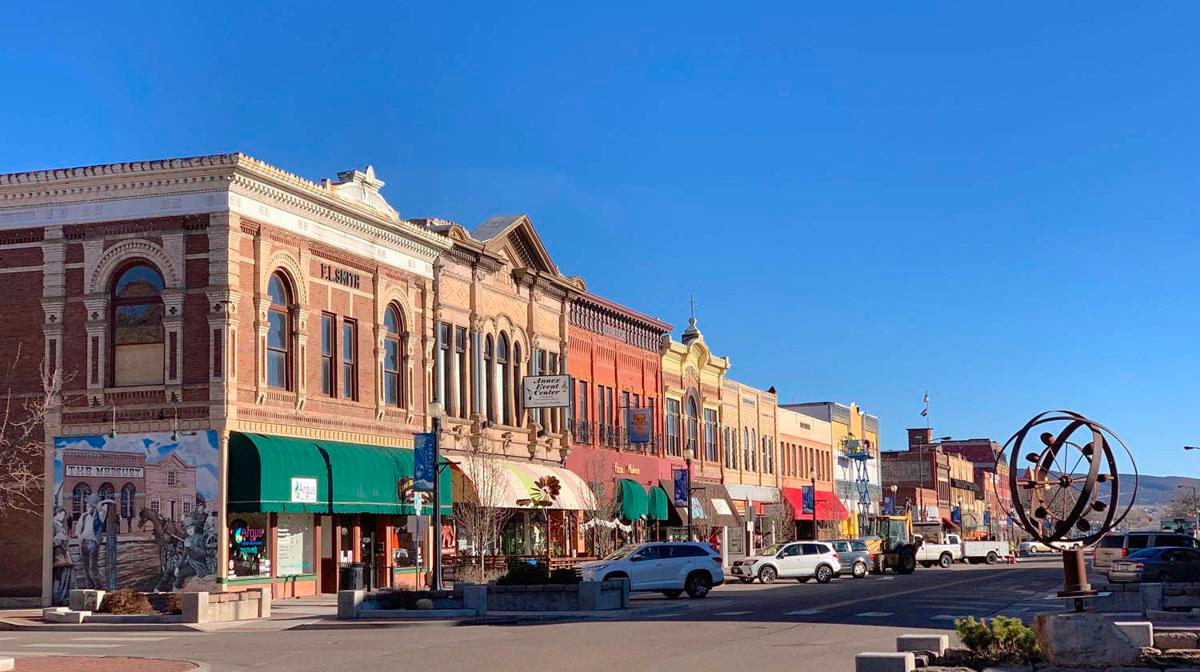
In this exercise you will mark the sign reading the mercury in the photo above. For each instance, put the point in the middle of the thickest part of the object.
(340, 276)
(547, 391)
(89, 471)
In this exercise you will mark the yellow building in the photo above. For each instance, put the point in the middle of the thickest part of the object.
(854, 435)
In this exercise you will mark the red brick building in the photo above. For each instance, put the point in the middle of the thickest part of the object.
(991, 478)
(615, 365)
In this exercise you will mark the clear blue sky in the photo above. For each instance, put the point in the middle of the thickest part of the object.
(997, 205)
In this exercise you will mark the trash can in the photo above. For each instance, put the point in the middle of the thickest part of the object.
(352, 577)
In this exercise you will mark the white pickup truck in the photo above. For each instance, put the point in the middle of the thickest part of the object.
(953, 549)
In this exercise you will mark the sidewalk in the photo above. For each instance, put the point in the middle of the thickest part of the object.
(105, 664)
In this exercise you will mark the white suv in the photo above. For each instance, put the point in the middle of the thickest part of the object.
(668, 568)
(800, 560)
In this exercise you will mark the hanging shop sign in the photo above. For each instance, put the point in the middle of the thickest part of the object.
(637, 420)
(546, 391)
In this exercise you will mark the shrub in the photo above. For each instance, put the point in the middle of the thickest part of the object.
(564, 576)
(174, 603)
(127, 602)
(1002, 640)
(521, 573)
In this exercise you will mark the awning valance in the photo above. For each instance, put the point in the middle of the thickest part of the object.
(633, 499)
(710, 501)
(657, 503)
(829, 507)
(519, 485)
(285, 474)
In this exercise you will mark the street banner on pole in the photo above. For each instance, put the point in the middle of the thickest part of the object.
(956, 515)
(638, 422)
(546, 391)
(680, 477)
(423, 470)
(809, 499)
(889, 506)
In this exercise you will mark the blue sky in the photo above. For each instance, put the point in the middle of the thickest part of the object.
(996, 205)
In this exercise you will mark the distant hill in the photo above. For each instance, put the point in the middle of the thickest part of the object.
(1156, 490)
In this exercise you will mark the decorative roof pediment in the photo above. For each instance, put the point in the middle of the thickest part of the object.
(514, 237)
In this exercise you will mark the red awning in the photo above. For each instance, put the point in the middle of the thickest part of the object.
(829, 507)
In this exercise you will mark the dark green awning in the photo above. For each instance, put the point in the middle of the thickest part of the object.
(633, 499)
(350, 477)
(656, 504)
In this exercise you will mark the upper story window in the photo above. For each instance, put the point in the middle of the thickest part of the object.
(516, 378)
(710, 435)
(445, 377)
(768, 455)
(489, 365)
(279, 333)
(503, 381)
(350, 359)
(137, 328)
(460, 366)
(692, 428)
(673, 447)
(328, 351)
(393, 372)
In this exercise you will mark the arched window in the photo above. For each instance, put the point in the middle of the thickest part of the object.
(279, 333)
(747, 449)
(753, 466)
(79, 498)
(128, 500)
(516, 376)
(393, 372)
(489, 365)
(503, 381)
(692, 427)
(107, 491)
(137, 329)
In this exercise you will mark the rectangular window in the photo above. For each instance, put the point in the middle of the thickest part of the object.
(328, 341)
(710, 435)
(673, 446)
(350, 359)
(583, 430)
(218, 356)
(460, 364)
(445, 376)
(170, 478)
(554, 412)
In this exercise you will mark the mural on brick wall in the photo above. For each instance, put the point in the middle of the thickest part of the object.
(135, 511)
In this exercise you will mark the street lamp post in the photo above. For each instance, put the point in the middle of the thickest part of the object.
(436, 411)
(688, 454)
(894, 488)
(813, 475)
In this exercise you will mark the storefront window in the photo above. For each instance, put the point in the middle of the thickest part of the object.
(294, 539)
(404, 550)
(249, 554)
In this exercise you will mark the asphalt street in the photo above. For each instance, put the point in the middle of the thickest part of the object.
(786, 625)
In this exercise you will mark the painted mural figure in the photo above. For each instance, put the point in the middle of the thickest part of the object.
(140, 509)
(64, 567)
(88, 529)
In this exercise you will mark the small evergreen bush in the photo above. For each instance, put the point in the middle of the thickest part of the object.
(1003, 640)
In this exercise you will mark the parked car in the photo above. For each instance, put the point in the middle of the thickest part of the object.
(1117, 545)
(1035, 547)
(854, 556)
(800, 560)
(671, 568)
(1158, 564)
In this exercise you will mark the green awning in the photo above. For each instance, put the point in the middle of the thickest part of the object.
(281, 474)
(633, 499)
(657, 507)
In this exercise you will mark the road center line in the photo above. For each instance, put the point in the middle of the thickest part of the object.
(73, 646)
(135, 638)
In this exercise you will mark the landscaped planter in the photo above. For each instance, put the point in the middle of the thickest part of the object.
(478, 599)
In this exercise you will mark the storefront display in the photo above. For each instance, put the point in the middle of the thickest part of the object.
(294, 544)
(249, 554)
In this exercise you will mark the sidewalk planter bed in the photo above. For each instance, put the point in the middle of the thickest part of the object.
(409, 599)
(199, 607)
(584, 596)
(476, 600)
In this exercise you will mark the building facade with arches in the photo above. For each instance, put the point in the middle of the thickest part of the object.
(213, 311)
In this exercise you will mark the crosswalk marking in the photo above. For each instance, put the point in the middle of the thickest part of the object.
(945, 617)
(119, 639)
(874, 614)
(73, 646)
(732, 613)
(803, 612)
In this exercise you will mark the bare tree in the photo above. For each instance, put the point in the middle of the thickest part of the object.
(598, 474)
(23, 438)
(482, 512)
(781, 516)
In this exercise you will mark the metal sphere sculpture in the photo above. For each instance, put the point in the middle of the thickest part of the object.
(1066, 491)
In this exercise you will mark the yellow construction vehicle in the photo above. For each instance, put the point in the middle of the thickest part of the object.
(893, 546)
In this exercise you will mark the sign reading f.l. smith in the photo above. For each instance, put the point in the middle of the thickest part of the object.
(340, 276)
(547, 391)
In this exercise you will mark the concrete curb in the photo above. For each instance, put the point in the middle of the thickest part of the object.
(34, 626)
(495, 618)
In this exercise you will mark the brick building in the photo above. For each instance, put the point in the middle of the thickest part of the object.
(990, 478)
(615, 366)
(221, 313)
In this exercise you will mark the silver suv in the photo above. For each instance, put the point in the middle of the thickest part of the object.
(854, 556)
(1117, 545)
(669, 568)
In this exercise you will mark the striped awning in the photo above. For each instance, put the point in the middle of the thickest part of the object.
(526, 485)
